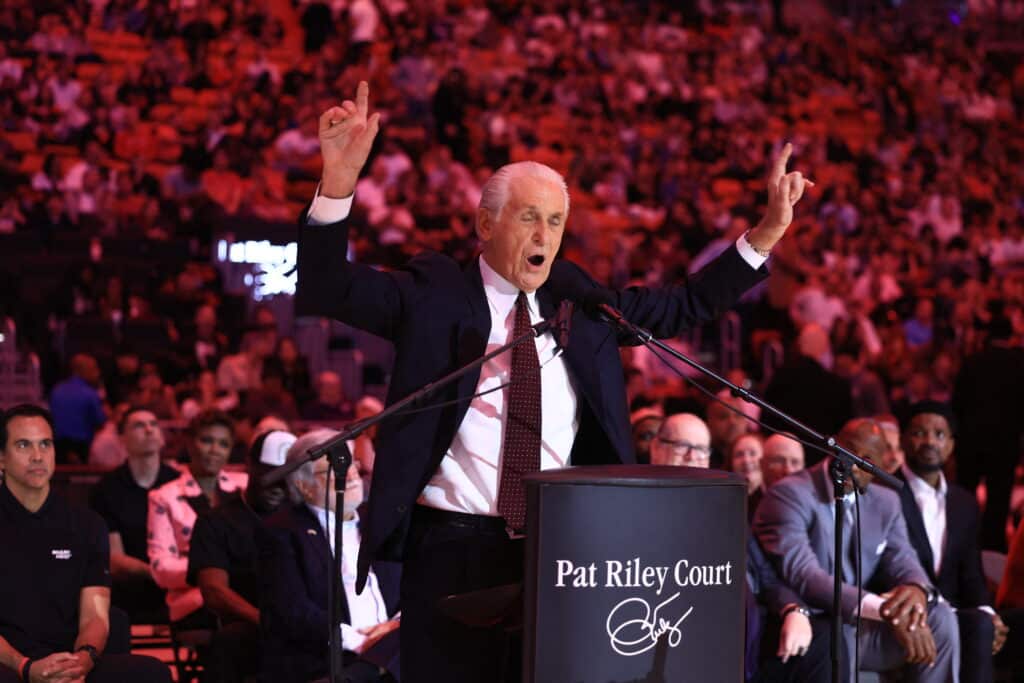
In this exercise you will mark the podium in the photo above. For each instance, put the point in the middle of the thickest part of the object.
(634, 573)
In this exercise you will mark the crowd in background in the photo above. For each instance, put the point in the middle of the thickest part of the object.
(153, 125)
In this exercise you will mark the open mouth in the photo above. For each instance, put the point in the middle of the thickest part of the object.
(535, 260)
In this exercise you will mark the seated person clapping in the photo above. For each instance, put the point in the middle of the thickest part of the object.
(294, 558)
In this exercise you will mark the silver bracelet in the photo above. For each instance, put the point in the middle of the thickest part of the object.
(764, 253)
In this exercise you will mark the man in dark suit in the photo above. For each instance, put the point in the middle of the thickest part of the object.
(904, 625)
(988, 403)
(808, 390)
(448, 497)
(294, 557)
(942, 521)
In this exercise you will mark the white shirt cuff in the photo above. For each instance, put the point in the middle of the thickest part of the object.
(987, 610)
(749, 255)
(326, 210)
(871, 607)
(351, 639)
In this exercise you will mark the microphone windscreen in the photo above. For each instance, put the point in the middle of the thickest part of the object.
(592, 300)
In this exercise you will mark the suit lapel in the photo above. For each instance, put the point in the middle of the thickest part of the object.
(915, 527)
(472, 335)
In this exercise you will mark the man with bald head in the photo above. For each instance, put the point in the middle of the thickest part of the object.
(903, 624)
(684, 439)
(783, 456)
(448, 497)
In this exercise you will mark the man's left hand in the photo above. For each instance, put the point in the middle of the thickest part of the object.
(784, 191)
(1001, 631)
(906, 606)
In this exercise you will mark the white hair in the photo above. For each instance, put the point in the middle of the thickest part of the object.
(494, 193)
(297, 451)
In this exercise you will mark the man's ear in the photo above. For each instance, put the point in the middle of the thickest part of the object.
(484, 224)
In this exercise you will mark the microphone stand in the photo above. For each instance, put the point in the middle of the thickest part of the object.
(839, 469)
(340, 457)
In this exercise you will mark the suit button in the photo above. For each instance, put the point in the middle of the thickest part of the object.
(401, 508)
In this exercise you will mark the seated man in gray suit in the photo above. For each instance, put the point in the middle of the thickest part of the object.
(904, 626)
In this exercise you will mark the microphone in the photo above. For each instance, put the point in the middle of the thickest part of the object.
(597, 303)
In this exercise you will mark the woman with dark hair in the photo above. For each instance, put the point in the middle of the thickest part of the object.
(174, 507)
(296, 370)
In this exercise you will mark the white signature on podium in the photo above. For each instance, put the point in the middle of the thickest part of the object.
(642, 626)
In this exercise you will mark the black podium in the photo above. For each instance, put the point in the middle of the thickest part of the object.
(634, 573)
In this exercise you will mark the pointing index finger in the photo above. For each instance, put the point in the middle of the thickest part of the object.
(779, 167)
(363, 98)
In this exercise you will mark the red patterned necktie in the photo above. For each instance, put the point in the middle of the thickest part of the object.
(521, 449)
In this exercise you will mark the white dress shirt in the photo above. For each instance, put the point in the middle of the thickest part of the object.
(365, 609)
(467, 479)
(931, 501)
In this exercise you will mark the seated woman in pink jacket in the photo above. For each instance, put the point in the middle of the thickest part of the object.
(173, 509)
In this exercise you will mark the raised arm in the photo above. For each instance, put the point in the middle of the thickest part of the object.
(346, 137)
(784, 191)
(328, 284)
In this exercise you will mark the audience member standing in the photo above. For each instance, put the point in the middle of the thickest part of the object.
(988, 403)
(808, 390)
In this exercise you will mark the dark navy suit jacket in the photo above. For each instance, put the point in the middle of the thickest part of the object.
(294, 569)
(961, 579)
(435, 313)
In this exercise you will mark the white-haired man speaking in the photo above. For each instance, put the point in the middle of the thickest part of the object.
(447, 494)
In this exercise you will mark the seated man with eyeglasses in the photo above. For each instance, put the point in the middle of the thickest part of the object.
(683, 439)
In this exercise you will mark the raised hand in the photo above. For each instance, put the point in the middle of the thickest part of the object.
(784, 191)
(346, 137)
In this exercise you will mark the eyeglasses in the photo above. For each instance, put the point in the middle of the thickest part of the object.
(689, 451)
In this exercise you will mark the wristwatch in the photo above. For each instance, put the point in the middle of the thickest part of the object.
(793, 607)
(931, 594)
(93, 653)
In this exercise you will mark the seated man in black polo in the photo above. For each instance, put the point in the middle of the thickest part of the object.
(294, 559)
(121, 499)
(222, 563)
(55, 583)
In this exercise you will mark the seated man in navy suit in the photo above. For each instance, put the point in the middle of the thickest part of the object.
(943, 524)
(295, 549)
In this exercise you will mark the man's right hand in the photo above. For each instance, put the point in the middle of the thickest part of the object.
(919, 644)
(346, 137)
(60, 666)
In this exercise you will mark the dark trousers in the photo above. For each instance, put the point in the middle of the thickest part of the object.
(449, 554)
(1010, 660)
(115, 669)
(813, 667)
(976, 635)
(994, 461)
